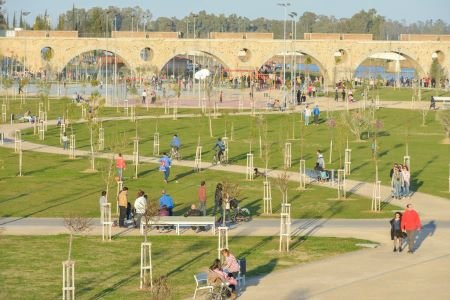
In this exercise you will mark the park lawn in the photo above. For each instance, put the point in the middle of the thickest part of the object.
(429, 156)
(60, 107)
(30, 266)
(55, 186)
(401, 94)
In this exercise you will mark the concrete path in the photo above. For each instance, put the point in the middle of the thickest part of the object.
(367, 274)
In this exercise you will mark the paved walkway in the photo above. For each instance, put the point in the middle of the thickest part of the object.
(368, 274)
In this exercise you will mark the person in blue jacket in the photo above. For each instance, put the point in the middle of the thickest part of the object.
(165, 166)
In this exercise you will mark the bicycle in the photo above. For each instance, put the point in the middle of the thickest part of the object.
(215, 159)
(175, 153)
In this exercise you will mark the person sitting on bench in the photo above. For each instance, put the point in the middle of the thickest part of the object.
(195, 213)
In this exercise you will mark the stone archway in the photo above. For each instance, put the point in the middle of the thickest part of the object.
(203, 59)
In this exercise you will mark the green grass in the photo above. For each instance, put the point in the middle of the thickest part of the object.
(429, 156)
(30, 266)
(401, 94)
(55, 186)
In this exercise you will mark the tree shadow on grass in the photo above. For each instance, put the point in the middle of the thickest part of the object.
(115, 286)
(14, 197)
(187, 264)
(49, 207)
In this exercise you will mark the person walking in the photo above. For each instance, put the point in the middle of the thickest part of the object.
(218, 199)
(320, 160)
(122, 200)
(165, 166)
(396, 231)
(316, 114)
(144, 96)
(410, 224)
(140, 205)
(336, 94)
(406, 181)
(397, 183)
(202, 198)
(307, 114)
(65, 141)
(120, 165)
(102, 201)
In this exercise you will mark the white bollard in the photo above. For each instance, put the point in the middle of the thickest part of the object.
(17, 140)
(341, 184)
(125, 107)
(68, 280)
(175, 110)
(223, 240)
(302, 171)
(156, 143)
(348, 161)
(285, 232)
(198, 159)
(119, 189)
(249, 170)
(133, 113)
(287, 155)
(225, 153)
(72, 146)
(62, 130)
(267, 198)
(146, 265)
(101, 139)
(106, 221)
(376, 196)
(166, 107)
(3, 113)
(136, 157)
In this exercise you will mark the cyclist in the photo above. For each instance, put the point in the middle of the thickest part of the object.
(220, 145)
(175, 145)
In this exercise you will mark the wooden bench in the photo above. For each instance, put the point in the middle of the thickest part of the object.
(181, 221)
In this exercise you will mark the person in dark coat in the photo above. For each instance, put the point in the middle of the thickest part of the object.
(218, 200)
(396, 231)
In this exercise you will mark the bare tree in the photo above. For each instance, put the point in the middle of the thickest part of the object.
(357, 122)
(282, 182)
(76, 225)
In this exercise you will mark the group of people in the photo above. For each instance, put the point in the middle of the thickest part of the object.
(222, 276)
(315, 113)
(400, 181)
(403, 226)
(135, 212)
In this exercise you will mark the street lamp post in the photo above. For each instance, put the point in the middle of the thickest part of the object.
(293, 15)
(193, 66)
(285, 5)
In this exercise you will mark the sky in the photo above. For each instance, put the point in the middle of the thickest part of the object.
(408, 10)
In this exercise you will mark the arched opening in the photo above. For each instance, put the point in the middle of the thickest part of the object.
(388, 68)
(95, 65)
(301, 70)
(185, 65)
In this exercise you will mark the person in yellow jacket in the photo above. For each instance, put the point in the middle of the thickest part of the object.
(122, 200)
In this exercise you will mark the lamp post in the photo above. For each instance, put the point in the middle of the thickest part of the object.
(193, 66)
(285, 5)
(293, 15)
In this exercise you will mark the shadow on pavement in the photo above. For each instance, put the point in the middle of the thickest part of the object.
(428, 230)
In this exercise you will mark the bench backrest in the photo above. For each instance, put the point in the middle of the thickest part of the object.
(441, 98)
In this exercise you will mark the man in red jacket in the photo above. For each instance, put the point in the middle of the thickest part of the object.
(410, 224)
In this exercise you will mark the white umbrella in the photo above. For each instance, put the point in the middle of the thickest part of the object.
(202, 74)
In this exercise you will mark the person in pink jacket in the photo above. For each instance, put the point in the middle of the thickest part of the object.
(120, 165)
(410, 224)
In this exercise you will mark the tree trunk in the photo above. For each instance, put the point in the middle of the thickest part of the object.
(70, 246)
